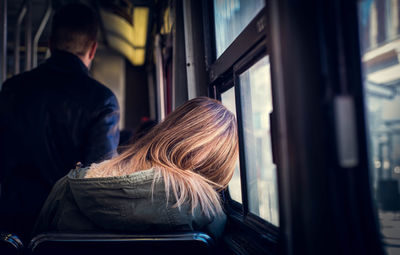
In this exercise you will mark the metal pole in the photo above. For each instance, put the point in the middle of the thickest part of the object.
(160, 79)
(179, 79)
(189, 49)
(194, 48)
(39, 32)
(28, 36)
(17, 40)
(3, 42)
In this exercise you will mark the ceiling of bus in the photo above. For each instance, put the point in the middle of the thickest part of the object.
(125, 24)
(127, 37)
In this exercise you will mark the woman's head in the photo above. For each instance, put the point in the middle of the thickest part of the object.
(195, 150)
(199, 136)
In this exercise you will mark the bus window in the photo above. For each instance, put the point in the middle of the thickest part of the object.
(256, 104)
(380, 47)
(240, 77)
(231, 17)
(235, 191)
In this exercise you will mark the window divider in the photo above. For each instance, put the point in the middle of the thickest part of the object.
(242, 155)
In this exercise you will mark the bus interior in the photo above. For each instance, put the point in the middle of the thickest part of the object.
(315, 88)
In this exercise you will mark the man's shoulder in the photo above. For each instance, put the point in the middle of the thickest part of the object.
(95, 95)
(17, 81)
(100, 88)
(100, 95)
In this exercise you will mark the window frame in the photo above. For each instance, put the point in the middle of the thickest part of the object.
(248, 47)
(239, 68)
(254, 32)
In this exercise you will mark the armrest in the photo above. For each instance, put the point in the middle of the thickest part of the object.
(10, 243)
(115, 243)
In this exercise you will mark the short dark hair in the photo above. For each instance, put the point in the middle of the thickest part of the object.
(74, 28)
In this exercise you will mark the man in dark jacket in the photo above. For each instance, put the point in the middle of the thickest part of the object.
(53, 117)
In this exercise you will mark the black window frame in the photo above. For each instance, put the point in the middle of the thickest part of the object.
(248, 47)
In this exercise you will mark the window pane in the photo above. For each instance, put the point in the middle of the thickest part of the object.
(231, 17)
(256, 101)
(228, 99)
(380, 47)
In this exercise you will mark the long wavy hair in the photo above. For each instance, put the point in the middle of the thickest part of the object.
(194, 149)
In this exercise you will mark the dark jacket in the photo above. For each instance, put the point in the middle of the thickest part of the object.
(50, 118)
(121, 203)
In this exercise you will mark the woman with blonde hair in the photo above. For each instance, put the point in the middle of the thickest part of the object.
(168, 180)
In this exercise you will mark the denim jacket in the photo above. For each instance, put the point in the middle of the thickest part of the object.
(120, 203)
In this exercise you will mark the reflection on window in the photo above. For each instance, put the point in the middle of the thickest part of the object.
(235, 191)
(256, 101)
(231, 17)
(380, 46)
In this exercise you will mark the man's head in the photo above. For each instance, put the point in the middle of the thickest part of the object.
(74, 29)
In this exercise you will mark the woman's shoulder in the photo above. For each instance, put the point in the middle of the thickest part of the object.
(78, 172)
(94, 173)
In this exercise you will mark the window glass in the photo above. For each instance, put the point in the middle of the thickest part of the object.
(380, 48)
(235, 191)
(231, 17)
(256, 103)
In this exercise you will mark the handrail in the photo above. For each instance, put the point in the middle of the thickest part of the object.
(3, 41)
(39, 32)
(28, 36)
(160, 79)
(20, 18)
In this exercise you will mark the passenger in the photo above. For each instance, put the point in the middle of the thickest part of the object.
(127, 136)
(145, 125)
(167, 181)
(51, 118)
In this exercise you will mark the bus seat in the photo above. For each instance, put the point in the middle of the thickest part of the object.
(106, 243)
(388, 195)
(10, 244)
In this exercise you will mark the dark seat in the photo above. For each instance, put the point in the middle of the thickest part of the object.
(10, 244)
(104, 243)
(388, 195)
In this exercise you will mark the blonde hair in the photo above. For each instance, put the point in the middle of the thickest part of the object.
(194, 149)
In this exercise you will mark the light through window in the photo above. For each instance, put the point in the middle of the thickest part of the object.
(231, 17)
(256, 103)
(380, 48)
(235, 191)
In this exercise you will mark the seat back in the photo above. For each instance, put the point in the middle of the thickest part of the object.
(388, 195)
(10, 244)
(192, 243)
